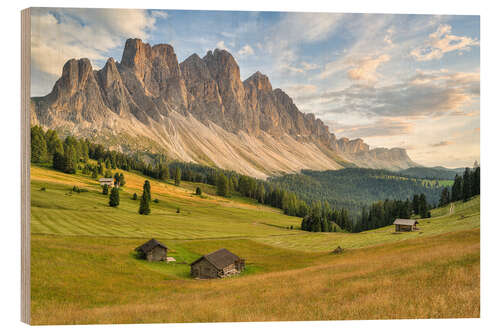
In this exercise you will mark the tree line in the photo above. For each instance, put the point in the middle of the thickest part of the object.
(464, 187)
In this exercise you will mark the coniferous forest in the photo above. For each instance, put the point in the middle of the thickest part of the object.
(350, 199)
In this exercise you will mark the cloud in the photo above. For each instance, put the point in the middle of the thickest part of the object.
(159, 13)
(424, 94)
(298, 90)
(366, 68)
(221, 45)
(380, 128)
(441, 42)
(441, 144)
(61, 34)
(246, 50)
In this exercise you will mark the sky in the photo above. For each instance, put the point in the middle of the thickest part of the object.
(409, 81)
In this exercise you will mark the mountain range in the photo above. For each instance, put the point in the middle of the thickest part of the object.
(198, 111)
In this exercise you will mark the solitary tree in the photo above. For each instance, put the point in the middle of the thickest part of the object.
(198, 191)
(114, 198)
(144, 207)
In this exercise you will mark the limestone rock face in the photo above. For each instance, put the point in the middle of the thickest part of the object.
(198, 111)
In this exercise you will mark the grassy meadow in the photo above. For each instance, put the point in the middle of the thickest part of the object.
(84, 269)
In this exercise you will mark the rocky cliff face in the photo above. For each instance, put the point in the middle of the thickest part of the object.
(199, 111)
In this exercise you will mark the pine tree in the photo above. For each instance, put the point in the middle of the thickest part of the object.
(222, 185)
(178, 175)
(121, 180)
(445, 197)
(116, 178)
(144, 208)
(105, 189)
(416, 204)
(114, 198)
(466, 185)
(456, 189)
(70, 159)
(423, 208)
(198, 191)
(38, 145)
(147, 188)
(476, 187)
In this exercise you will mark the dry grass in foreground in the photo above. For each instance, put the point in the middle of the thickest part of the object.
(432, 277)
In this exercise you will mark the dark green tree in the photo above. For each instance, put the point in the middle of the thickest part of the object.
(467, 185)
(144, 208)
(38, 145)
(445, 197)
(147, 189)
(121, 179)
(198, 191)
(70, 159)
(105, 189)
(178, 175)
(222, 185)
(114, 197)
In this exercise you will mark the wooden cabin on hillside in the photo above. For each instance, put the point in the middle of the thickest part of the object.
(218, 264)
(405, 225)
(107, 181)
(153, 250)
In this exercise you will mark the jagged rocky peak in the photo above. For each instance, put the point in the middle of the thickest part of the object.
(259, 81)
(194, 68)
(109, 73)
(135, 53)
(75, 75)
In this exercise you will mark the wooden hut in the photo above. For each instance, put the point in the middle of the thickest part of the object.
(218, 264)
(405, 225)
(107, 181)
(153, 250)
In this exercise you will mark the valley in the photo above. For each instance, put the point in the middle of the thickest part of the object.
(84, 269)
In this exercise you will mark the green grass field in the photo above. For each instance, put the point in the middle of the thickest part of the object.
(84, 269)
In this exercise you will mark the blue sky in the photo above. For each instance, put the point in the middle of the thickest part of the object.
(408, 81)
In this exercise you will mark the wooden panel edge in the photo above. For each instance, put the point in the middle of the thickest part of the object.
(25, 165)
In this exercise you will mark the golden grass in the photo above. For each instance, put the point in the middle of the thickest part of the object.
(435, 277)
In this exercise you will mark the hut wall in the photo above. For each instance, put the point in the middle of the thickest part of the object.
(157, 254)
(204, 270)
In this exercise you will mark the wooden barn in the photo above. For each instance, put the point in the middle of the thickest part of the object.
(218, 264)
(107, 181)
(153, 250)
(405, 225)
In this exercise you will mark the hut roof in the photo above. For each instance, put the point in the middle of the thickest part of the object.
(405, 222)
(149, 245)
(220, 258)
(106, 179)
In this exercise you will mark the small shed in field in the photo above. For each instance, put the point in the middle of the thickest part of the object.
(218, 264)
(405, 225)
(107, 181)
(153, 250)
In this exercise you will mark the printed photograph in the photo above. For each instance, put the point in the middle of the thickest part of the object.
(237, 166)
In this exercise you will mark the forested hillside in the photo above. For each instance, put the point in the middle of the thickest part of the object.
(432, 173)
(354, 188)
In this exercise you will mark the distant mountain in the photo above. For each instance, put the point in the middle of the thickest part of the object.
(438, 172)
(198, 111)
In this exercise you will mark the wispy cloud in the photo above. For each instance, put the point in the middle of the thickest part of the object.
(246, 50)
(441, 144)
(442, 41)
